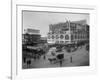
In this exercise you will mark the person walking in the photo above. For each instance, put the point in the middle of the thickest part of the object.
(24, 59)
(61, 63)
(44, 57)
(71, 58)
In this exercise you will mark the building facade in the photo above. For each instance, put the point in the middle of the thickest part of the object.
(31, 36)
(68, 32)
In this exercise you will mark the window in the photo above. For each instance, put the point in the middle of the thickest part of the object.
(66, 37)
(57, 36)
(53, 37)
(57, 42)
(61, 42)
(75, 36)
(61, 36)
(66, 41)
(72, 37)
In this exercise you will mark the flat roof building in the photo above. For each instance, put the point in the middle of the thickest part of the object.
(31, 36)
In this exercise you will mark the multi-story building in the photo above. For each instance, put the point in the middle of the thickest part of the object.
(43, 40)
(68, 32)
(31, 36)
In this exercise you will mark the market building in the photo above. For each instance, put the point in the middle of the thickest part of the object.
(68, 32)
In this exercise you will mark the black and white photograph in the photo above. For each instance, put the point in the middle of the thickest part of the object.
(55, 39)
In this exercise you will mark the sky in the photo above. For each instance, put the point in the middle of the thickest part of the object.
(42, 20)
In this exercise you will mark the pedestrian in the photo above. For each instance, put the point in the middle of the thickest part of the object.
(44, 57)
(60, 63)
(34, 57)
(71, 59)
(24, 59)
(28, 63)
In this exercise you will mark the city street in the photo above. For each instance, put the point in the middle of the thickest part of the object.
(80, 57)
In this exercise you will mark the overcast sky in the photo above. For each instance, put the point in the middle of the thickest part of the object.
(41, 20)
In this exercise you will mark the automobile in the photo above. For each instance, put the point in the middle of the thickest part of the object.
(54, 56)
(73, 49)
(68, 50)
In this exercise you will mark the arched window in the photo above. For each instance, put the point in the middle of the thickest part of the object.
(66, 37)
(57, 36)
(61, 36)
